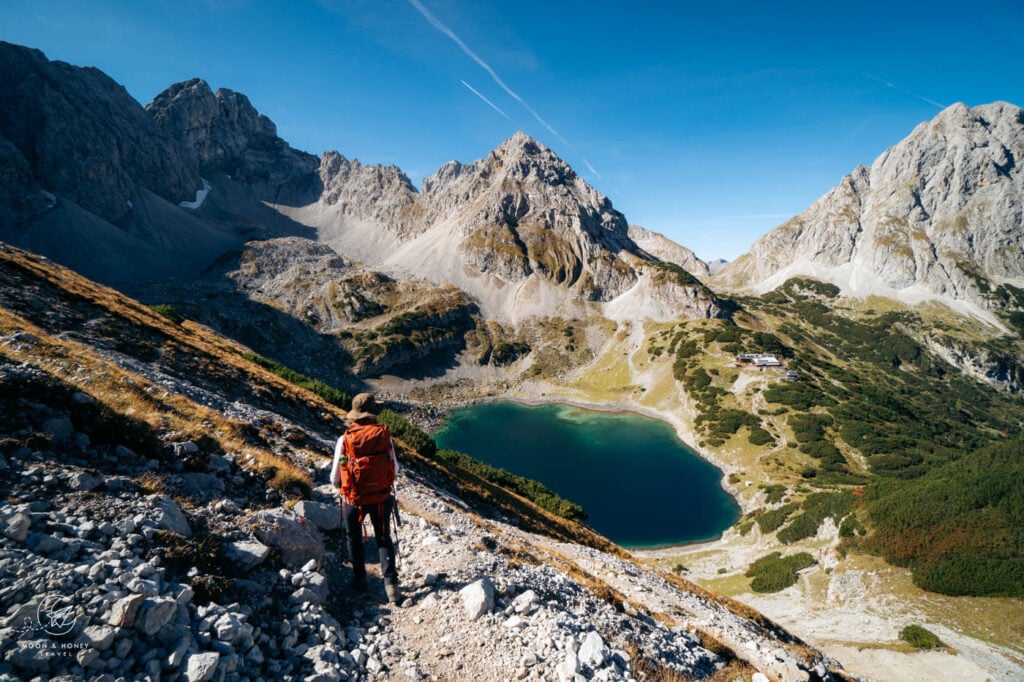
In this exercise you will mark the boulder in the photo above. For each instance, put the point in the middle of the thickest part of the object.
(593, 651)
(247, 553)
(323, 516)
(58, 429)
(169, 517)
(16, 527)
(287, 531)
(98, 637)
(41, 543)
(201, 667)
(155, 614)
(525, 602)
(478, 598)
(84, 482)
(201, 487)
(124, 611)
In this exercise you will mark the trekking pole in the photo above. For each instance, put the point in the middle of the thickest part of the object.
(398, 523)
(344, 528)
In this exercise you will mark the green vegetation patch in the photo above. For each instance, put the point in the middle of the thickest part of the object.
(325, 391)
(920, 638)
(169, 312)
(772, 519)
(414, 437)
(816, 508)
(959, 527)
(774, 572)
(532, 490)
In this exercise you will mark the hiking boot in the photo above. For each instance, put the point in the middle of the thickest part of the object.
(394, 592)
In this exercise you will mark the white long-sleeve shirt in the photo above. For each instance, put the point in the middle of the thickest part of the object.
(339, 449)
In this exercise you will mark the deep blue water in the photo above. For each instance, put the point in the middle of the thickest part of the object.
(637, 481)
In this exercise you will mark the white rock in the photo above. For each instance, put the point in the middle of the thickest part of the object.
(169, 517)
(323, 516)
(98, 637)
(593, 652)
(525, 601)
(247, 553)
(478, 598)
(16, 527)
(201, 667)
(124, 611)
(155, 614)
(759, 677)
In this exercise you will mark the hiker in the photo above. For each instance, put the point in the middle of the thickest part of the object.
(364, 473)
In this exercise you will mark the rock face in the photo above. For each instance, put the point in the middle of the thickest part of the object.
(663, 248)
(939, 214)
(227, 135)
(52, 112)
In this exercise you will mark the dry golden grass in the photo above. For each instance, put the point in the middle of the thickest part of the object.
(152, 483)
(126, 393)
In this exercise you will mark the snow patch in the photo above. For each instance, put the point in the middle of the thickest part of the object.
(200, 197)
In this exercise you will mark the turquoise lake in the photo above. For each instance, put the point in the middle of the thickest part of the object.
(639, 484)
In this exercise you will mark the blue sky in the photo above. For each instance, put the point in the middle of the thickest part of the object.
(711, 124)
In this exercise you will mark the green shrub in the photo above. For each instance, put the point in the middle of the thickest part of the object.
(758, 436)
(817, 507)
(535, 491)
(919, 638)
(773, 519)
(774, 572)
(169, 312)
(414, 437)
(325, 391)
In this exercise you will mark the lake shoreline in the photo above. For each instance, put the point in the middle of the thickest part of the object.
(679, 429)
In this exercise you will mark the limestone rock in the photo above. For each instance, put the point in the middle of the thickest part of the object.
(124, 611)
(323, 516)
(285, 530)
(247, 553)
(478, 598)
(155, 614)
(593, 651)
(99, 637)
(201, 667)
(16, 526)
(169, 517)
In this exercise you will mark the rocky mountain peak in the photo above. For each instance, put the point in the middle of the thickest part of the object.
(524, 158)
(220, 128)
(938, 215)
(51, 112)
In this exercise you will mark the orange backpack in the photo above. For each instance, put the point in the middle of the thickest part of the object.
(369, 472)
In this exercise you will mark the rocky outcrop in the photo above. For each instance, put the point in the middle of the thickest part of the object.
(1000, 368)
(227, 135)
(78, 135)
(941, 214)
(374, 194)
(663, 248)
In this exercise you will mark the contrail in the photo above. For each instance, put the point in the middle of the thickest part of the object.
(592, 169)
(908, 92)
(440, 26)
(491, 104)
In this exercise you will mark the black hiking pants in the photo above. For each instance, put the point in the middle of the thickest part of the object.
(380, 517)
